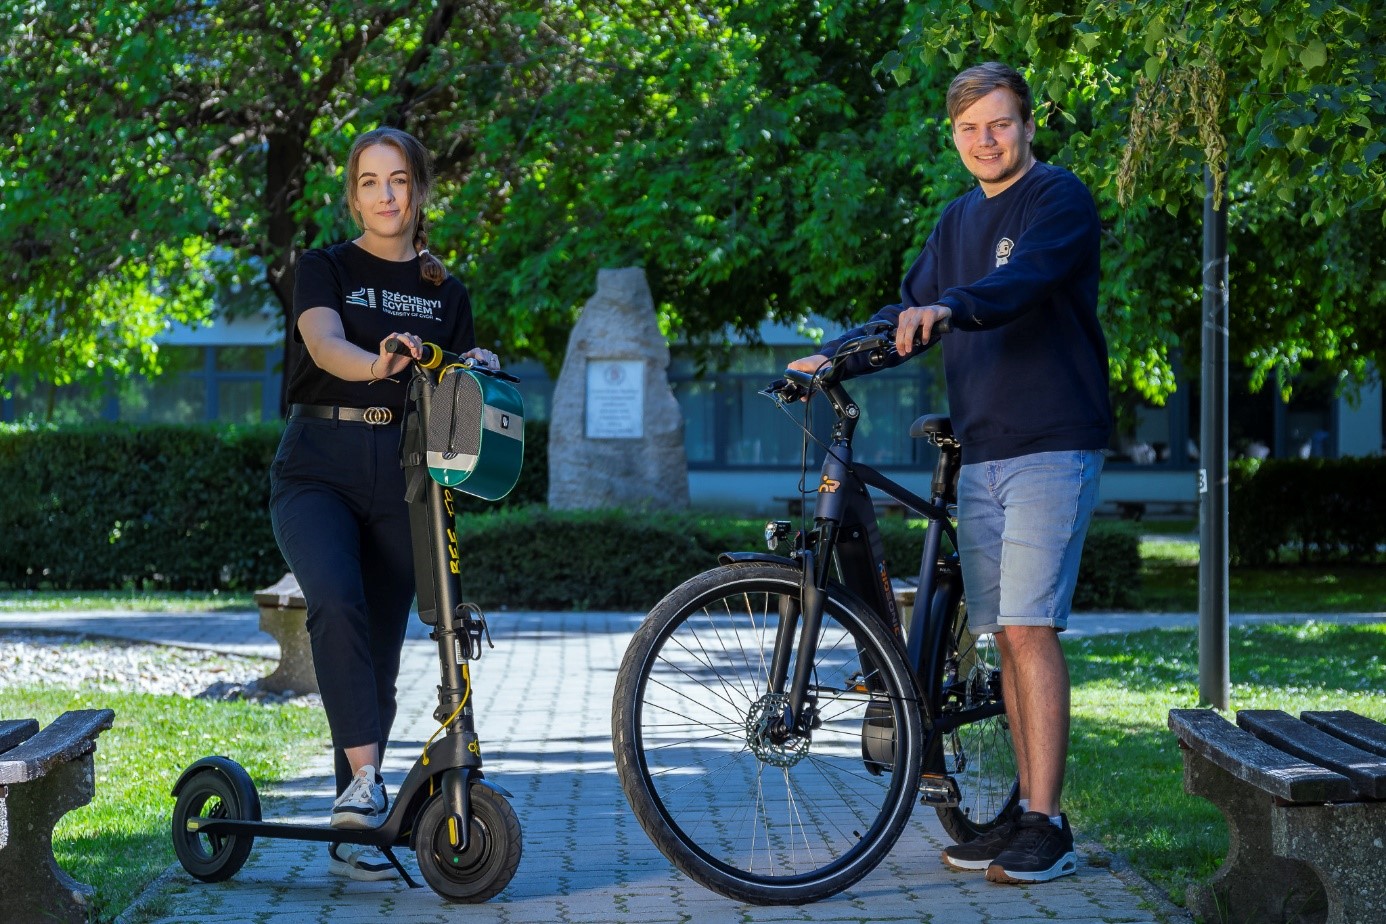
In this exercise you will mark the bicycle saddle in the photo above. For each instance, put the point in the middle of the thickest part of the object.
(932, 425)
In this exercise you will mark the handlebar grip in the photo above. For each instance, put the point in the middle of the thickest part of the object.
(433, 354)
(941, 326)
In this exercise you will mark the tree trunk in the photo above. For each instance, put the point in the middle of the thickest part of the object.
(284, 169)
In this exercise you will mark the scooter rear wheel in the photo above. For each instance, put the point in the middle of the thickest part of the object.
(488, 864)
(224, 791)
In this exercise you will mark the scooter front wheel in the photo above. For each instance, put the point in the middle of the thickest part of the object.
(490, 859)
(219, 790)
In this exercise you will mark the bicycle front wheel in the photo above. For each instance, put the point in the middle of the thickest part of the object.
(974, 747)
(732, 801)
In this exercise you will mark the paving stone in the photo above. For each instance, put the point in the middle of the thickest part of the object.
(543, 697)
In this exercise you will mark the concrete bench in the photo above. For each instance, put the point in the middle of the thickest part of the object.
(1305, 803)
(284, 617)
(43, 776)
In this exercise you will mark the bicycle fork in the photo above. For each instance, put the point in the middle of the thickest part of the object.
(798, 714)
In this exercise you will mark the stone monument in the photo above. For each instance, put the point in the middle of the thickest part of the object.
(616, 431)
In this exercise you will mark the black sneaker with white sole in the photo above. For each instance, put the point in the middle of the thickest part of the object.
(1040, 851)
(366, 864)
(978, 853)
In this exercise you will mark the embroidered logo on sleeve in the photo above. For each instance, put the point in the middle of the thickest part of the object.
(1003, 251)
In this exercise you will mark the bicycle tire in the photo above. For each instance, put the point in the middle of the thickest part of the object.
(730, 808)
(978, 755)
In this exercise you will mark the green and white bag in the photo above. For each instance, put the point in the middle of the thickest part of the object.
(476, 433)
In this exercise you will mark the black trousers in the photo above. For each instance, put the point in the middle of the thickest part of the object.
(338, 511)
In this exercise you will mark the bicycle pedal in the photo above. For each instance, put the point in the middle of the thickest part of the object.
(938, 791)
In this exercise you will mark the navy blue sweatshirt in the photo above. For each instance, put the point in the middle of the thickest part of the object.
(1026, 365)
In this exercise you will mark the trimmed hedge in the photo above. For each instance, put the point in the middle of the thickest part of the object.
(111, 506)
(186, 508)
(1318, 509)
(154, 506)
(609, 560)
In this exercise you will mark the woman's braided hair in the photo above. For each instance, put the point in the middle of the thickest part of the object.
(420, 188)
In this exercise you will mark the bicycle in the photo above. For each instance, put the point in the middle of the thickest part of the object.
(460, 825)
(774, 723)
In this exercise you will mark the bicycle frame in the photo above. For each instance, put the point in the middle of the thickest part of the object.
(845, 532)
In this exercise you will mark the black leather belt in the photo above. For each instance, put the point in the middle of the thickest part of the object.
(376, 416)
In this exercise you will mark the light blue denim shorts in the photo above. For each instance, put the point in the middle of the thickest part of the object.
(1021, 524)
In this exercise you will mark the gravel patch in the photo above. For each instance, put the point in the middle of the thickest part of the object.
(77, 661)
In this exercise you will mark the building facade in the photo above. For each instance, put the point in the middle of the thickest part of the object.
(744, 453)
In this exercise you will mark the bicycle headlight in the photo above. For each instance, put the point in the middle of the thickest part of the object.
(775, 530)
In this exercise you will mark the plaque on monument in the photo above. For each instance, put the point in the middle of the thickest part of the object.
(615, 429)
(615, 399)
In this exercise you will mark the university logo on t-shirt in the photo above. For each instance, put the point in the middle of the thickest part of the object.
(398, 304)
(1003, 251)
(410, 306)
(364, 297)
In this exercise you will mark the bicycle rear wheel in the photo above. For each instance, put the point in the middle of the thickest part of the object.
(758, 817)
(977, 754)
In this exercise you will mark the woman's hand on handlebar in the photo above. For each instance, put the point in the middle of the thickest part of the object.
(393, 360)
(483, 358)
(917, 322)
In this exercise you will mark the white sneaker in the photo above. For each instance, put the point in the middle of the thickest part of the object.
(367, 864)
(363, 804)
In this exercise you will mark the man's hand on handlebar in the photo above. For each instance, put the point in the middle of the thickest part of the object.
(809, 364)
(920, 322)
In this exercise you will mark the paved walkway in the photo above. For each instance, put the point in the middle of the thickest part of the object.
(543, 697)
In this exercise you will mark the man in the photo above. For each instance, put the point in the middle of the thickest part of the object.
(1014, 264)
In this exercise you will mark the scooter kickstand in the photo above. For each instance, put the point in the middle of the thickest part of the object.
(394, 861)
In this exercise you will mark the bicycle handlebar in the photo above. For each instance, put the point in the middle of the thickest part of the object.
(877, 341)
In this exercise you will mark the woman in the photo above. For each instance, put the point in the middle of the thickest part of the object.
(337, 489)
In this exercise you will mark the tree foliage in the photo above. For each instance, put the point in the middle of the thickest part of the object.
(756, 159)
(747, 157)
(1284, 101)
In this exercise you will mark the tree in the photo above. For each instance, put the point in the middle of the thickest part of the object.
(747, 157)
(1280, 99)
(158, 153)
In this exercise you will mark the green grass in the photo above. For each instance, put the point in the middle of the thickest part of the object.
(1125, 778)
(120, 842)
(22, 601)
(1169, 583)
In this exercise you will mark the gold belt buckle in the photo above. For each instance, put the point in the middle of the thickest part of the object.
(378, 415)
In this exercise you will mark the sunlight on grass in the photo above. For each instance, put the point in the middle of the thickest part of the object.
(44, 601)
(1169, 583)
(1125, 776)
(120, 842)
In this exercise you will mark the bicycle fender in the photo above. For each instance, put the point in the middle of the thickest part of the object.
(223, 765)
(835, 589)
(735, 558)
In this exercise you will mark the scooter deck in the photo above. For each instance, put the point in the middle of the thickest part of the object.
(387, 835)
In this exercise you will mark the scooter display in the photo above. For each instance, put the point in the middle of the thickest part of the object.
(460, 428)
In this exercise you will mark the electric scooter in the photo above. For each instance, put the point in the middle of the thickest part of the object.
(463, 831)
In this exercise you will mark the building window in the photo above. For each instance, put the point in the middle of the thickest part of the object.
(729, 424)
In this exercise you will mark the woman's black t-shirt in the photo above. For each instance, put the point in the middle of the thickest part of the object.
(375, 297)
